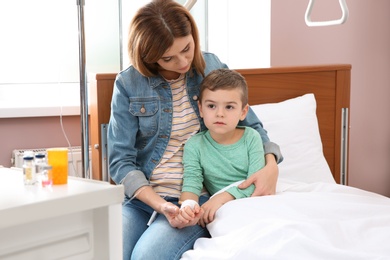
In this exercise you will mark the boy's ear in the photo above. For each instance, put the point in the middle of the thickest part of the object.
(200, 109)
(244, 112)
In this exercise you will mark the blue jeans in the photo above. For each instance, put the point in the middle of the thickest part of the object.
(159, 240)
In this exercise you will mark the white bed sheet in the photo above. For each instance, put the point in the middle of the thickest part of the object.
(302, 221)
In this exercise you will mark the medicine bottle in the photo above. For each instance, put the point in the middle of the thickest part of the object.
(46, 178)
(40, 162)
(28, 168)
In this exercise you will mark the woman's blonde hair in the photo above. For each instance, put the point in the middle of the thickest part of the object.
(153, 31)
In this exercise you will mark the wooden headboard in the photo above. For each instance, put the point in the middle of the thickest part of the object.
(329, 83)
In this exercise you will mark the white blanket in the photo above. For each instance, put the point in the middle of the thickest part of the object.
(302, 221)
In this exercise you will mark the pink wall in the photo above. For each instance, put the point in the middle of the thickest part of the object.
(36, 132)
(364, 42)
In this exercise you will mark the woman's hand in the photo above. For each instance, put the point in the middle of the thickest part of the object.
(264, 179)
(171, 211)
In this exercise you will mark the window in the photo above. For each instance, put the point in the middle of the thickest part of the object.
(40, 47)
(239, 32)
(40, 53)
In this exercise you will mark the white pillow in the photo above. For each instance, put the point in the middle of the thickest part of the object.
(293, 125)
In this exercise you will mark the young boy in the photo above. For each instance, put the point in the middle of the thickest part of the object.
(225, 153)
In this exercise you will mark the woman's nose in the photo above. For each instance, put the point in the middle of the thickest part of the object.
(182, 60)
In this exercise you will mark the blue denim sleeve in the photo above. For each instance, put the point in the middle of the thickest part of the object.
(121, 137)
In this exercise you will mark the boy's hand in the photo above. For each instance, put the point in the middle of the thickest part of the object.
(212, 205)
(188, 216)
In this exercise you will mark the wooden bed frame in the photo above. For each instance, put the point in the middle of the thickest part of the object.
(329, 83)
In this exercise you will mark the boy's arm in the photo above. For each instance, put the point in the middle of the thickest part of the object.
(192, 170)
(192, 183)
(265, 179)
(256, 162)
(186, 195)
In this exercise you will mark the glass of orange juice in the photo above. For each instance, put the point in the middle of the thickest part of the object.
(58, 159)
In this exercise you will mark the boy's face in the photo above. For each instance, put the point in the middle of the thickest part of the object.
(222, 110)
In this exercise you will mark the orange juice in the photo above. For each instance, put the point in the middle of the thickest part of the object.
(58, 159)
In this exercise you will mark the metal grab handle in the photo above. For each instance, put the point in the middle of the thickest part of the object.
(342, 20)
(189, 4)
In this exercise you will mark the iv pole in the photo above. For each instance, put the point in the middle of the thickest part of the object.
(83, 93)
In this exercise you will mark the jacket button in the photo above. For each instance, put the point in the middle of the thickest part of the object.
(195, 98)
(142, 110)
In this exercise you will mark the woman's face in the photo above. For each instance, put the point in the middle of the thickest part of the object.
(177, 59)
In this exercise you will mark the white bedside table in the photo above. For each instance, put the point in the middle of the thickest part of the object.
(79, 220)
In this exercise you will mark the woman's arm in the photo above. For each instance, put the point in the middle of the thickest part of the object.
(147, 195)
(121, 135)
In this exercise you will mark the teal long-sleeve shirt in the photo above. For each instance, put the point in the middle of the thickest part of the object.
(216, 166)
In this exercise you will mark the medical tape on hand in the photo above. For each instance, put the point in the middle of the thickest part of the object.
(190, 203)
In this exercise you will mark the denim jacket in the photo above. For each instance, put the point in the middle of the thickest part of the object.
(141, 122)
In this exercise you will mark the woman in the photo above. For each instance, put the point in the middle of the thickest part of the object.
(153, 112)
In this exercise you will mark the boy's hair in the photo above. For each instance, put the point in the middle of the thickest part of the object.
(225, 79)
(153, 31)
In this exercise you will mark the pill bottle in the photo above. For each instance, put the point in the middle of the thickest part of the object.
(28, 168)
(39, 162)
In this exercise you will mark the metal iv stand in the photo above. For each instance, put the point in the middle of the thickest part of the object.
(83, 93)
